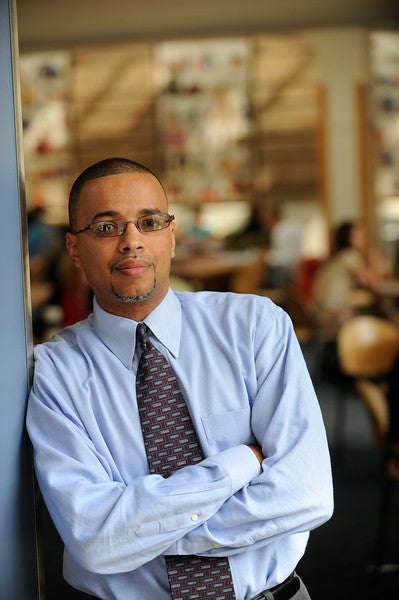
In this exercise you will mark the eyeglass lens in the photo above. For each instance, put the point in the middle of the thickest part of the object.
(146, 223)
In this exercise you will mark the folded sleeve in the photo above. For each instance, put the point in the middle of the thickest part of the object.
(110, 526)
(294, 491)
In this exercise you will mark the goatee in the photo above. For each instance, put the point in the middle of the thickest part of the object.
(137, 298)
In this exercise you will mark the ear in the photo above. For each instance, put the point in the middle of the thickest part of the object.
(173, 240)
(71, 242)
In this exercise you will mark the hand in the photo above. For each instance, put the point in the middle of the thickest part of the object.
(256, 449)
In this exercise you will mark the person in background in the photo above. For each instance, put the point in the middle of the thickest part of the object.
(198, 232)
(73, 291)
(346, 281)
(45, 244)
(254, 237)
(44, 241)
(285, 250)
(255, 233)
(264, 478)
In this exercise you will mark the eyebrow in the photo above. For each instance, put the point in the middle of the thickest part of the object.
(113, 214)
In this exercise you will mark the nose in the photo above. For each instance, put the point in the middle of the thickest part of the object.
(131, 239)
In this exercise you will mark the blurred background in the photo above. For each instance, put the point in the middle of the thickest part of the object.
(272, 125)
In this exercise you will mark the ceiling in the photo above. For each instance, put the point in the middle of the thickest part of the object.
(44, 24)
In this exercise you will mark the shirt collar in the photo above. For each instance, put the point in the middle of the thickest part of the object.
(119, 333)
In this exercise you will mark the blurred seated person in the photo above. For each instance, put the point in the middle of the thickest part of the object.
(285, 252)
(198, 230)
(279, 240)
(44, 245)
(254, 234)
(75, 295)
(198, 235)
(344, 284)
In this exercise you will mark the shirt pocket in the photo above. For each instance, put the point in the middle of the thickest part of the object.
(227, 429)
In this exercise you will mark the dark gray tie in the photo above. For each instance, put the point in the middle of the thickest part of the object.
(171, 443)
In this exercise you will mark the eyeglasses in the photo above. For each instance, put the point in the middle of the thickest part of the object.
(145, 224)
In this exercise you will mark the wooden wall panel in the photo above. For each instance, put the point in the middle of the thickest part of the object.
(284, 102)
(112, 96)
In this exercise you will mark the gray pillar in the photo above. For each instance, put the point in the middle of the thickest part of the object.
(18, 579)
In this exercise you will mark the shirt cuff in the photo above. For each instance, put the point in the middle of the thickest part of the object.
(240, 463)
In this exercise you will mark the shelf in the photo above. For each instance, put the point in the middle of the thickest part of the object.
(203, 119)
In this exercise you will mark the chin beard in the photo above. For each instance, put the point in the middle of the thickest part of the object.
(138, 298)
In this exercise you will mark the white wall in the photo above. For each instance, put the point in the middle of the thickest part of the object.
(342, 64)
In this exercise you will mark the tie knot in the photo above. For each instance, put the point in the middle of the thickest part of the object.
(142, 335)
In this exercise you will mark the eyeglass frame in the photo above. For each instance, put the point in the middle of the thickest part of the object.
(121, 230)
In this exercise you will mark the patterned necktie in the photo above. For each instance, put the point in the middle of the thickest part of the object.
(171, 443)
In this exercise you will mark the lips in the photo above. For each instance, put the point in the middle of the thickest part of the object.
(132, 267)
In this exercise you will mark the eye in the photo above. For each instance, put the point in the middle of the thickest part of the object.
(151, 222)
(105, 228)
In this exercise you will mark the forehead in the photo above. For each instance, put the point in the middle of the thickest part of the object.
(122, 192)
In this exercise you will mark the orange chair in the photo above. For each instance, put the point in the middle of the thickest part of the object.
(368, 347)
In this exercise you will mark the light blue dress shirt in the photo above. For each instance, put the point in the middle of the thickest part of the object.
(244, 378)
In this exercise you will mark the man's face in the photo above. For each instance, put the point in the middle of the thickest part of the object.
(129, 274)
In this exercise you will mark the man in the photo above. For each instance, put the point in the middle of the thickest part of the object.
(265, 478)
(285, 252)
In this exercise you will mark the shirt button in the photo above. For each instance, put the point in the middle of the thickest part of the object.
(194, 517)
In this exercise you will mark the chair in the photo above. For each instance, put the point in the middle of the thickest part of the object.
(368, 347)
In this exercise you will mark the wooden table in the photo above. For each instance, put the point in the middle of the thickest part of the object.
(210, 271)
(388, 288)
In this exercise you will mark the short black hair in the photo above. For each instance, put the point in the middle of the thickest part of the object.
(103, 168)
(343, 235)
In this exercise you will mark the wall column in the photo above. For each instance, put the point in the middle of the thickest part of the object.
(342, 58)
(18, 578)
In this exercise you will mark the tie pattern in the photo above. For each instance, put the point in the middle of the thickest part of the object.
(171, 443)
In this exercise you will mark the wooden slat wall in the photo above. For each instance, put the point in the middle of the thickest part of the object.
(112, 98)
(113, 91)
(284, 100)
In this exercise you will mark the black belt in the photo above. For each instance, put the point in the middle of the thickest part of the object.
(283, 591)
